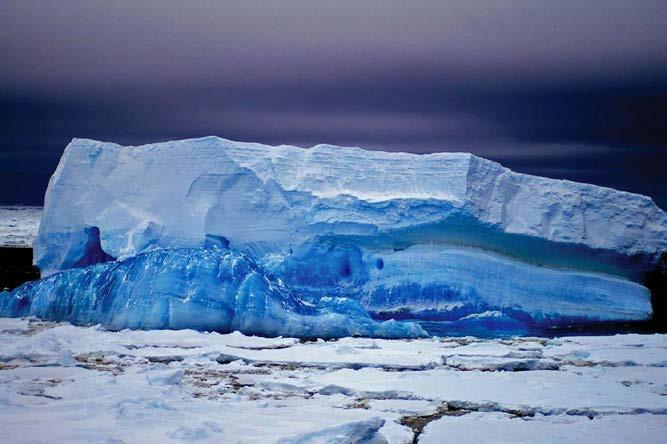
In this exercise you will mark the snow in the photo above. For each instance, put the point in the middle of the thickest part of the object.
(437, 237)
(61, 383)
(203, 289)
(538, 391)
(18, 225)
(502, 428)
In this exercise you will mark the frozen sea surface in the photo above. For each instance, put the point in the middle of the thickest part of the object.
(19, 225)
(60, 383)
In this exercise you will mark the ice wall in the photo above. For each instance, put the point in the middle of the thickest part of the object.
(267, 199)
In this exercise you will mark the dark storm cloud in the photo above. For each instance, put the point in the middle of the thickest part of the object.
(567, 89)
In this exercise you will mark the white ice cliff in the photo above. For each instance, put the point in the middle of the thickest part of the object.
(266, 199)
(448, 237)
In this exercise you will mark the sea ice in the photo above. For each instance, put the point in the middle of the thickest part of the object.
(19, 225)
(183, 386)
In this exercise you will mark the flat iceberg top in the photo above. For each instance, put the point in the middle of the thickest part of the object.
(323, 170)
(329, 170)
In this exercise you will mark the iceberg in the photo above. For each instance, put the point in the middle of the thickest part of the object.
(201, 289)
(265, 199)
(441, 237)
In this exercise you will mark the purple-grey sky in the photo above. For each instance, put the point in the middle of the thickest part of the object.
(567, 89)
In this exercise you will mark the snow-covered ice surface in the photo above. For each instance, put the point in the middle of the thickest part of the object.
(60, 383)
(440, 237)
(504, 428)
(18, 225)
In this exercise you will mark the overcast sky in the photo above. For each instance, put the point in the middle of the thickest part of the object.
(566, 89)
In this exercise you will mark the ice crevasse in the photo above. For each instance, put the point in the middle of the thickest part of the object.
(445, 237)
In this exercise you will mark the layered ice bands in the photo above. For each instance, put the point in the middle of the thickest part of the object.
(459, 285)
(201, 289)
(445, 237)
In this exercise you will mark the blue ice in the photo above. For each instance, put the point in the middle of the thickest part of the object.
(204, 289)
